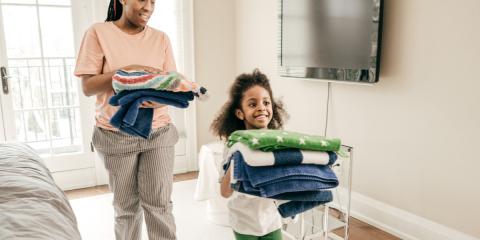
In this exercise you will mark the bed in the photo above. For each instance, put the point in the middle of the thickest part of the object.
(32, 206)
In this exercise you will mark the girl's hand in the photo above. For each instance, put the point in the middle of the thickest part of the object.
(225, 189)
(150, 104)
(143, 68)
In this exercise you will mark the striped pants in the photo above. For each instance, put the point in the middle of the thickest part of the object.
(141, 178)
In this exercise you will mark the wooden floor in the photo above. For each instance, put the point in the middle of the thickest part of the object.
(358, 229)
(362, 231)
(92, 191)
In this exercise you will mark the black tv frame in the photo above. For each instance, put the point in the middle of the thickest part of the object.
(368, 76)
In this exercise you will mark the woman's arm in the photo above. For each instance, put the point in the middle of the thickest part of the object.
(94, 84)
(225, 188)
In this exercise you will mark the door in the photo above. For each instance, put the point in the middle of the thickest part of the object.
(41, 101)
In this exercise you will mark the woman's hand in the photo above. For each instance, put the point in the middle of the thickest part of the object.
(135, 67)
(143, 68)
(150, 104)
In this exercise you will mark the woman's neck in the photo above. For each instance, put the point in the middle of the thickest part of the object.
(127, 26)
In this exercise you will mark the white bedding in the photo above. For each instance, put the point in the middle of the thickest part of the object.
(32, 206)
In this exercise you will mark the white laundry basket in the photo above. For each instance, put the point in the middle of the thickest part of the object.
(208, 186)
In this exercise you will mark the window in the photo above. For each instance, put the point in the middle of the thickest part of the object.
(174, 17)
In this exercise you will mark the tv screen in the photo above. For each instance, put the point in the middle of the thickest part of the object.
(331, 39)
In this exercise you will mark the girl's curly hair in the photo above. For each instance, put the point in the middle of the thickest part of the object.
(227, 122)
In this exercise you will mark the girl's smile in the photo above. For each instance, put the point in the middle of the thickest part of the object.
(256, 108)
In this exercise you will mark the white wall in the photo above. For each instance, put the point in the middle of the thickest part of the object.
(415, 133)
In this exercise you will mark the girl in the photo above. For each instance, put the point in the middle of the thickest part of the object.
(251, 106)
(140, 170)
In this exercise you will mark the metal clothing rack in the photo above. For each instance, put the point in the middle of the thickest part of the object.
(327, 227)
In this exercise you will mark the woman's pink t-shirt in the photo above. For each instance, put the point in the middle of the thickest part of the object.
(106, 48)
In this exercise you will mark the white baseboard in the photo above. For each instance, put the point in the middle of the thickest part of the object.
(75, 179)
(400, 223)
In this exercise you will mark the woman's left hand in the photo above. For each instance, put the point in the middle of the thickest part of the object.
(150, 104)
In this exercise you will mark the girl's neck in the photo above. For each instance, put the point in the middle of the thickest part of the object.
(127, 27)
(253, 128)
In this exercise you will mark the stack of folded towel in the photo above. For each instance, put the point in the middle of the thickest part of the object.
(172, 81)
(132, 88)
(291, 167)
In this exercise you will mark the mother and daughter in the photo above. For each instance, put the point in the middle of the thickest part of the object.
(141, 170)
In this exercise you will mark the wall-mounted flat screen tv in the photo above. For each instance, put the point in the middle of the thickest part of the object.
(330, 39)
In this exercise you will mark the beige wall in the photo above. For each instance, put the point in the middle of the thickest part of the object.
(424, 116)
(415, 133)
(214, 58)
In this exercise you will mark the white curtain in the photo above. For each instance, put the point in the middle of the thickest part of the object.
(170, 17)
(174, 17)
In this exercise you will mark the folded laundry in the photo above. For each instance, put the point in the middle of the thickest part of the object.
(137, 121)
(268, 140)
(142, 126)
(176, 99)
(288, 156)
(305, 196)
(273, 180)
(292, 208)
(173, 81)
(306, 185)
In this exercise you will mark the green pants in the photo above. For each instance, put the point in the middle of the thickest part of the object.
(275, 235)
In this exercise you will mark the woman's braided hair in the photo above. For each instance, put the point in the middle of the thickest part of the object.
(114, 11)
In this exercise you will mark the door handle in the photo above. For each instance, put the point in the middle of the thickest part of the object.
(5, 77)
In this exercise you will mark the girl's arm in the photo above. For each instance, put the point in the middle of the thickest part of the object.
(225, 188)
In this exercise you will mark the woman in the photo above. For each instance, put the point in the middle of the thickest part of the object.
(140, 170)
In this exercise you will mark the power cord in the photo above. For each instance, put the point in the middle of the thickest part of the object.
(328, 105)
(329, 87)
